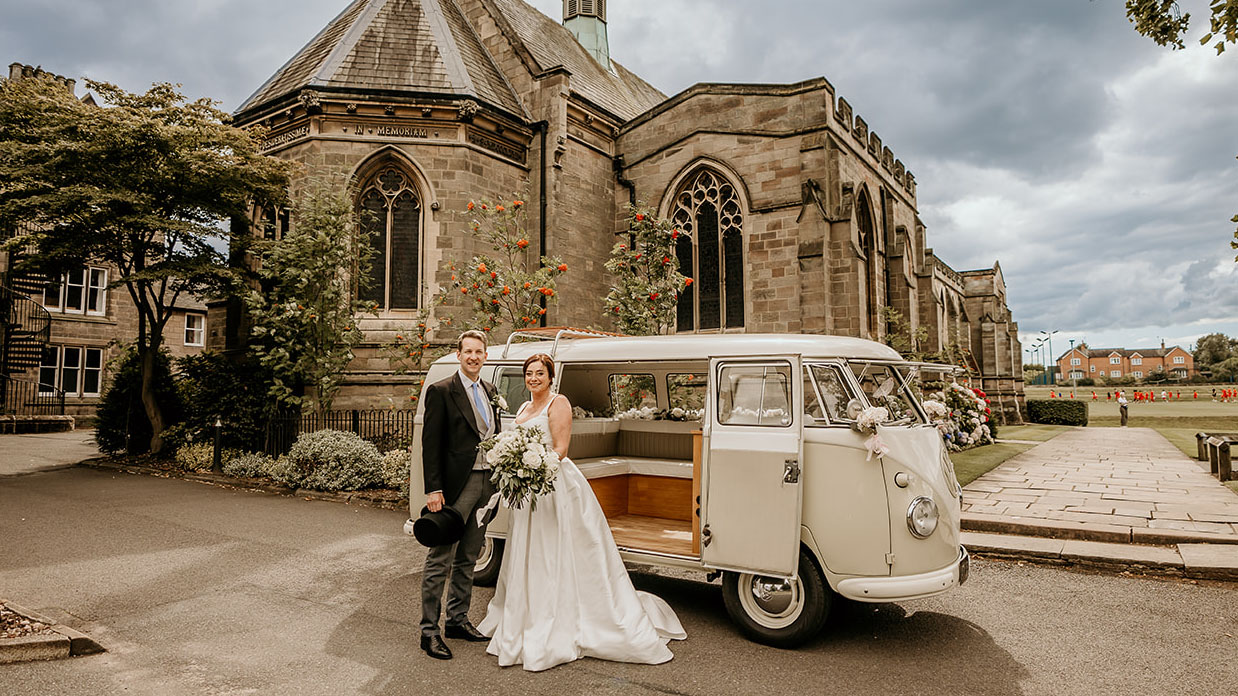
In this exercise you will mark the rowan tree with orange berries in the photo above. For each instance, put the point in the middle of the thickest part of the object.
(504, 289)
(647, 279)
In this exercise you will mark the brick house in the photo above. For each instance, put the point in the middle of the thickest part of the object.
(60, 334)
(803, 220)
(1118, 363)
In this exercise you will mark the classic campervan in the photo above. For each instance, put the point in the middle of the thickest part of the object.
(739, 455)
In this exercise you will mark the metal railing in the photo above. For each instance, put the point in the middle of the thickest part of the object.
(25, 327)
(386, 428)
(19, 397)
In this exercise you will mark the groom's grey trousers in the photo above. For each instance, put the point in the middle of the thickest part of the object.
(458, 559)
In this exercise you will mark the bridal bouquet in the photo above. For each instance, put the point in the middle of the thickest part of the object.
(523, 463)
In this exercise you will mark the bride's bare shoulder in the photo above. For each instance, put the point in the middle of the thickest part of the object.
(560, 403)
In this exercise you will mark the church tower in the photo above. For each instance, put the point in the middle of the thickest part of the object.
(586, 19)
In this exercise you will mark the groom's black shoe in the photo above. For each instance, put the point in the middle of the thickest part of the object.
(435, 647)
(465, 631)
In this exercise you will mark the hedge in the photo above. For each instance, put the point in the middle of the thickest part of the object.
(1057, 411)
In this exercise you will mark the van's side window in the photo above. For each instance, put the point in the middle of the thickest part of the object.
(755, 395)
(629, 392)
(510, 383)
(686, 392)
(835, 395)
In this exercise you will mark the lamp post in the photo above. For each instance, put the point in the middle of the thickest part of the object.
(1074, 381)
(1049, 337)
(1040, 356)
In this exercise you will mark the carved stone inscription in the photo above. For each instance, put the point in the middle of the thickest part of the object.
(495, 145)
(286, 137)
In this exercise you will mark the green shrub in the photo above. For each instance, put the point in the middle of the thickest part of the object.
(121, 424)
(199, 456)
(395, 470)
(1057, 411)
(249, 465)
(232, 390)
(334, 460)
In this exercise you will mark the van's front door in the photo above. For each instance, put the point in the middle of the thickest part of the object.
(751, 491)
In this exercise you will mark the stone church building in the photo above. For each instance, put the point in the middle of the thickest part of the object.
(802, 219)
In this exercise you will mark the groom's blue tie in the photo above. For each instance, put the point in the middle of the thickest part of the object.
(481, 406)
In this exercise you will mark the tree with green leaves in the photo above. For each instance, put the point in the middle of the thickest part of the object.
(647, 280)
(1212, 349)
(508, 288)
(143, 183)
(1165, 23)
(304, 310)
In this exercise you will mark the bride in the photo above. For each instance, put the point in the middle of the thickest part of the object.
(563, 592)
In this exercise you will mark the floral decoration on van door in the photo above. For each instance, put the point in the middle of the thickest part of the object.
(867, 422)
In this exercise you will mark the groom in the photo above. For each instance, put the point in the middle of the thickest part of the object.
(459, 415)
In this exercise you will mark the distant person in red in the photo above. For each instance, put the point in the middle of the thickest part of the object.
(1093, 396)
(1195, 394)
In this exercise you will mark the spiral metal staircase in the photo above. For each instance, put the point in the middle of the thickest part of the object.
(25, 329)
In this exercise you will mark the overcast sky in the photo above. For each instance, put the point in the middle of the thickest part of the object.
(1096, 166)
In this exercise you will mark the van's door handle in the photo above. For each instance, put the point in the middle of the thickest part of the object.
(791, 471)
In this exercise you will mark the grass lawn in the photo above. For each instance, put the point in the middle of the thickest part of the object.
(971, 464)
(1039, 433)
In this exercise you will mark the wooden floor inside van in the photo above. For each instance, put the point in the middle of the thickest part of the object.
(638, 532)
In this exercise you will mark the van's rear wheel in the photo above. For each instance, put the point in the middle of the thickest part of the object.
(489, 559)
(777, 611)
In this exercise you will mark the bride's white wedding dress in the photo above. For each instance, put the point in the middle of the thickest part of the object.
(563, 592)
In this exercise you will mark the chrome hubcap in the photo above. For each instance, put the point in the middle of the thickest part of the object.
(771, 602)
(483, 556)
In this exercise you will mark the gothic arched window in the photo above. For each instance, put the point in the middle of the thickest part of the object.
(868, 244)
(390, 213)
(707, 206)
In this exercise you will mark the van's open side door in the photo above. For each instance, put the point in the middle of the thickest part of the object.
(751, 490)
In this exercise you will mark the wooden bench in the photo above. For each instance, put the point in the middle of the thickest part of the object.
(646, 483)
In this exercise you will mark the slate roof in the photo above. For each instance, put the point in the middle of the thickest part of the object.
(621, 92)
(397, 45)
(1124, 352)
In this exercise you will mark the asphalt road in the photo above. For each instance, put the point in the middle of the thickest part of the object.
(203, 590)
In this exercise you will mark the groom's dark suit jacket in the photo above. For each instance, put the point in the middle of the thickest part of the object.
(450, 434)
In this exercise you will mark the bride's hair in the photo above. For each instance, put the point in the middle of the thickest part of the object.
(543, 359)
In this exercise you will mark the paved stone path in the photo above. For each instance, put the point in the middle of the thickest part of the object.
(1107, 480)
(26, 454)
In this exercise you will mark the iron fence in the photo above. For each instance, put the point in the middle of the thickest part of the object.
(21, 397)
(387, 428)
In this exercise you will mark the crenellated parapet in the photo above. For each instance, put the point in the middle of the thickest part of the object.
(18, 71)
(866, 140)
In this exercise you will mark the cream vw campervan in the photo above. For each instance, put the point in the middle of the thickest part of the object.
(736, 455)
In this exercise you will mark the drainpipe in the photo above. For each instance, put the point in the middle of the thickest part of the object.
(542, 127)
(625, 182)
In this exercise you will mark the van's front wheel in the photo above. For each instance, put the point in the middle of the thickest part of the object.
(489, 560)
(777, 611)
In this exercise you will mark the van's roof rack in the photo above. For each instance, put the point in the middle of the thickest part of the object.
(554, 333)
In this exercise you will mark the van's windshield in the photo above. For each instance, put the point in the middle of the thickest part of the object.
(890, 387)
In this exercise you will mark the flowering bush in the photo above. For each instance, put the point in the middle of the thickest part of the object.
(962, 416)
(334, 460)
(645, 267)
(395, 469)
(249, 465)
(199, 456)
(506, 288)
(524, 465)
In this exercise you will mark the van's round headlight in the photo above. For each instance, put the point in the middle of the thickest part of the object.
(922, 517)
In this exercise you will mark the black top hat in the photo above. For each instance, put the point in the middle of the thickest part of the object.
(439, 528)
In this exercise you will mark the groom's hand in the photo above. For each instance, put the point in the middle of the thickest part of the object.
(434, 501)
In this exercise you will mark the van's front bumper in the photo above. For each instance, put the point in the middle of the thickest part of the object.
(899, 588)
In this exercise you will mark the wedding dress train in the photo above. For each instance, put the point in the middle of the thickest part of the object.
(563, 592)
